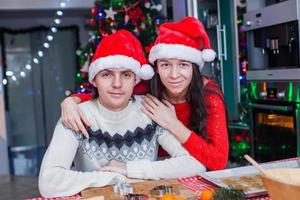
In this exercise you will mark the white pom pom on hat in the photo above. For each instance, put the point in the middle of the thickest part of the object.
(208, 55)
(147, 72)
(185, 40)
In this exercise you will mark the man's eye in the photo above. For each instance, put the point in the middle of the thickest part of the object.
(127, 75)
(106, 75)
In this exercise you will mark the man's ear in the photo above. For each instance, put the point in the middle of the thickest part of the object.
(94, 83)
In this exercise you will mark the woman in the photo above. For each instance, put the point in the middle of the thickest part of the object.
(192, 107)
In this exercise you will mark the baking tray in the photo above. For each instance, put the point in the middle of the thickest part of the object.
(235, 174)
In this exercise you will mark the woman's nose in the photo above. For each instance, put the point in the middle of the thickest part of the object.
(174, 72)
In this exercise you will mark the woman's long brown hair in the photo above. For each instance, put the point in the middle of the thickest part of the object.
(195, 97)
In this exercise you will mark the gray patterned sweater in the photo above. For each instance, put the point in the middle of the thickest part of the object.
(127, 136)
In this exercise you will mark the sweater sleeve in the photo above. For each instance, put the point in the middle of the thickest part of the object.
(212, 152)
(180, 165)
(56, 179)
(83, 97)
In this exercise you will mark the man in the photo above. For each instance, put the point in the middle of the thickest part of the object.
(123, 141)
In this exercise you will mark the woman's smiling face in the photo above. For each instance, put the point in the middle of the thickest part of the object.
(176, 75)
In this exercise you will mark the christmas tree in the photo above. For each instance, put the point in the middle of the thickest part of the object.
(140, 17)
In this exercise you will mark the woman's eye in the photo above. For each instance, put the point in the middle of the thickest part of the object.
(184, 65)
(165, 65)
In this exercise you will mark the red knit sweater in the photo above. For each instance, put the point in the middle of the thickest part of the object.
(213, 151)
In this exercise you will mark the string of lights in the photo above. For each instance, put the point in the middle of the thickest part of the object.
(13, 76)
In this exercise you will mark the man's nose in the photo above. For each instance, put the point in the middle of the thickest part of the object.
(117, 81)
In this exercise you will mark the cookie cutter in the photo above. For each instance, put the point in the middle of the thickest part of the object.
(135, 197)
(122, 188)
(161, 190)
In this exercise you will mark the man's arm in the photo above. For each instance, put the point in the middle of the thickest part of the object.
(56, 179)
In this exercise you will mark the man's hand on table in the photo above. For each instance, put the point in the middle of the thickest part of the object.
(115, 166)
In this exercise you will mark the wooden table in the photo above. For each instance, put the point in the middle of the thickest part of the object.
(142, 187)
(196, 184)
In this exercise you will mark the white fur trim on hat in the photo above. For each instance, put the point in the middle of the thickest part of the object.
(176, 51)
(118, 61)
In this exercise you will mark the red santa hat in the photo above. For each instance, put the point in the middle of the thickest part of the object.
(186, 40)
(121, 50)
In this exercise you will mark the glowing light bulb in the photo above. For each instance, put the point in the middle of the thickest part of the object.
(49, 37)
(57, 21)
(28, 66)
(9, 73)
(35, 60)
(40, 53)
(53, 29)
(59, 13)
(4, 81)
(22, 74)
(46, 45)
(62, 4)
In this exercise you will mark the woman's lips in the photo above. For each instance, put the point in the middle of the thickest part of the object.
(175, 83)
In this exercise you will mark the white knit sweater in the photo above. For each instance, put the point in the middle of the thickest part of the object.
(127, 136)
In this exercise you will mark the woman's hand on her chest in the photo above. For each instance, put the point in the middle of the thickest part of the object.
(163, 113)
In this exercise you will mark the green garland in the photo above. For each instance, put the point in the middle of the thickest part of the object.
(229, 193)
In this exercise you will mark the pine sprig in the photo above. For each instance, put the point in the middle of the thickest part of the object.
(229, 193)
